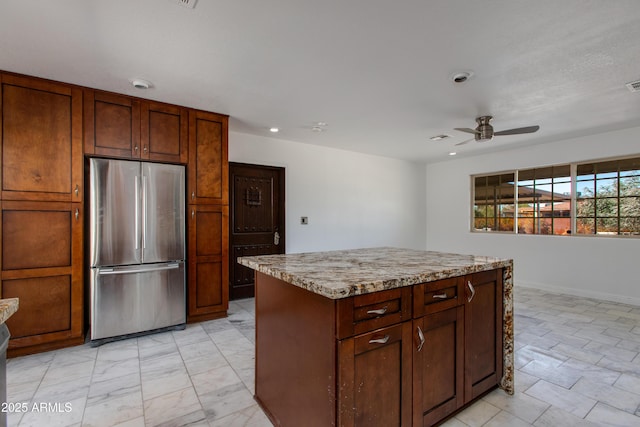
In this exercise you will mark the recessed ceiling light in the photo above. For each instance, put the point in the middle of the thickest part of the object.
(318, 129)
(274, 130)
(461, 76)
(453, 153)
(141, 84)
(439, 137)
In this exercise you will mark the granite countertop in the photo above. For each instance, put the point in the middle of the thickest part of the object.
(344, 273)
(8, 306)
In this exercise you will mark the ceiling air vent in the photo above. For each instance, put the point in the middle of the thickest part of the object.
(185, 3)
(634, 86)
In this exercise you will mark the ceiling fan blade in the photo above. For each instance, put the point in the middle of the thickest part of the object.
(467, 130)
(517, 131)
(464, 142)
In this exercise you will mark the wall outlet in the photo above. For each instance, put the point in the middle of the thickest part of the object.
(304, 220)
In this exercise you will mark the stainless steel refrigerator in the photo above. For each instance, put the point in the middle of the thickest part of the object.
(137, 248)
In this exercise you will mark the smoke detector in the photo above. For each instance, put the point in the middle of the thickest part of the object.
(634, 86)
(185, 3)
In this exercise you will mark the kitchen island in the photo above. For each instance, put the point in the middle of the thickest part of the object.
(379, 336)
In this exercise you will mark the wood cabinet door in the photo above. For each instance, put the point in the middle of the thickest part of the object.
(111, 125)
(41, 140)
(208, 181)
(164, 132)
(374, 378)
(483, 332)
(42, 265)
(208, 258)
(438, 364)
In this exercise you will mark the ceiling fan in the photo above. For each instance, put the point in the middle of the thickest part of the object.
(484, 131)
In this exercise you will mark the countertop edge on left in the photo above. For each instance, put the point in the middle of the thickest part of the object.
(8, 307)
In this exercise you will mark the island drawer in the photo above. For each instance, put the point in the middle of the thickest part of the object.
(432, 297)
(364, 313)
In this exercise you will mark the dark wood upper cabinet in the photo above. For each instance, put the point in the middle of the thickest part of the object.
(208, 181)
(164, 132)
(111, 125)
(41, 140)
(130, 128)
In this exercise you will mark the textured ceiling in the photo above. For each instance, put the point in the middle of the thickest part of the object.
(377, 72)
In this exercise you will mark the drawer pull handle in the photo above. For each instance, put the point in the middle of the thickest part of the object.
(77, 214)
(472, 289)
(379, 340)
(379, 311)
(441, 296)
(421, 338)
(77, 190)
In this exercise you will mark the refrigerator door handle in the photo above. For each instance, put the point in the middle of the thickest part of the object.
(137, 214)
(144, 214)
(106, 271)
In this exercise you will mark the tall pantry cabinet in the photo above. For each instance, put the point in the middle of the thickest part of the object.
(42, 212)
(47, 130)
(208, 216)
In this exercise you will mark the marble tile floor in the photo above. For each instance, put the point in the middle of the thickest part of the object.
(577, 362)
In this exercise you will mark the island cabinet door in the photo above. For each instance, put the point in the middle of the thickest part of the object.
(438, 364)
(374, 378)
(483, 332)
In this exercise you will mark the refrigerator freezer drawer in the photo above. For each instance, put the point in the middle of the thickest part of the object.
(128, 300)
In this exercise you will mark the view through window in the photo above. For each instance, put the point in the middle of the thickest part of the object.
(606, 200)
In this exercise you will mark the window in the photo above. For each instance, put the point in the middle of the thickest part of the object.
(544, 200)
(494, 202)
(608, 197)
(541, 200)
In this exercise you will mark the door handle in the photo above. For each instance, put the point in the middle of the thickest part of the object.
(421, 338)
(276, 238)
(379, 311)
(472, 289)
(110, 271)
(383, 340)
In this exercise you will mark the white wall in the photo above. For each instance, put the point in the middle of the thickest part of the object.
(599, 267)
(352, 200)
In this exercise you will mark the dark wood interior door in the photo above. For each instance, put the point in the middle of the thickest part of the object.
(256, 220)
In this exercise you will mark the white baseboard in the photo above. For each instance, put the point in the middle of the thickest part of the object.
(623, 299)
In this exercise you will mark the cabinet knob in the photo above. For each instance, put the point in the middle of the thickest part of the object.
(145, 148)
(135, 148)
(193, 213)
(77, 190)
(472, 290)
(77, 214)
(193, 195)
